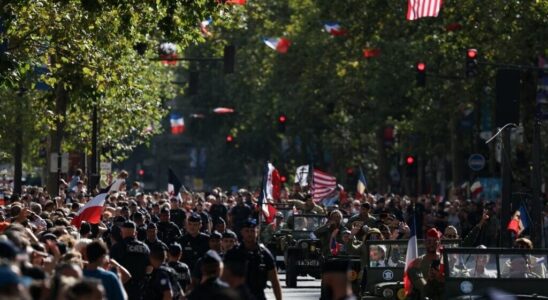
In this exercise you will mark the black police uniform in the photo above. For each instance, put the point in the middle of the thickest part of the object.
(212, 288)
(168, 232)
(259, 262)
(161, 281)
(133, 255)
(178, 216)
(142, 232)
(193, 248)
(156, 243)
(183, 273)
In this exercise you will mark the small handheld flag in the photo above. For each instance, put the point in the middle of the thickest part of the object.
(362, 183)
(203, 27)
(173, 183)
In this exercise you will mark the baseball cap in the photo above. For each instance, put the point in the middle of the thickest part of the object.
(194, 218)
(129, 225)
(229, 234)
(175, 249)
(211, 257)
(250, 223)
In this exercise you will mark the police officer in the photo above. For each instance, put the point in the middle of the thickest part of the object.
(162, 283)
(335, 281)
(152, 236)
(261, 265)
(139, 220)
(168, 232)
(234, 273)
(182, 270)
(133, 255)
(215, 245)
(195, 244)
(211, 286)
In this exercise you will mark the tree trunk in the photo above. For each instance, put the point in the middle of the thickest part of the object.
(61, 102)
(382, 162)
(18, 149)
(456, 151)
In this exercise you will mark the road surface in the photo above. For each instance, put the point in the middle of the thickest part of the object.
(307, 288)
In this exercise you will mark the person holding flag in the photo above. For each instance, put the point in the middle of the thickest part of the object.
(330, 234)
(424, 276)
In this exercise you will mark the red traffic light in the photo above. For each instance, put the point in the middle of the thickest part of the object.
(282, 118)
(349, 171)
(472, 53)
(229, 138)
(141, 172)
(283, 179)
(421, 67)
(410, 160)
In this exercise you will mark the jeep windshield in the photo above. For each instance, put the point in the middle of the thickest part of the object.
(516, 271)
(307, 222)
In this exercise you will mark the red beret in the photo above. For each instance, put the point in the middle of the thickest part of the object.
(433, 233)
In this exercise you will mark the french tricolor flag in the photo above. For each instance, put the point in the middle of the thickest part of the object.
(334, 28)
(270, 190)
(411, 255)
(177, 124)
(279, 44)
(93, 210)
(203, 27)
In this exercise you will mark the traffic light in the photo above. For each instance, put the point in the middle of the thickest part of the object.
(471, 63)
(411, 165)
(193, 82)
(421, 74)
(229, 139)
(283, 179)
(282, 119)
(350, 177)
(228, 59)
(141, 173)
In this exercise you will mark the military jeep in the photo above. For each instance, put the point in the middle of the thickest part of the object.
(382, 276)
(302, 249)
(472, 273)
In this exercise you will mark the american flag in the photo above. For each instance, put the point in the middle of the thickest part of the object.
(423, 8)
(324, 184)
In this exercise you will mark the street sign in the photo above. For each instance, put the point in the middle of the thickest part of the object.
(54, 162)
(476, 162)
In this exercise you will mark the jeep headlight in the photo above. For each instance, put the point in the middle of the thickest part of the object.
(388, 293)
(304, 245)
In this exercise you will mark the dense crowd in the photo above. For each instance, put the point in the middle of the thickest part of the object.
(197, 245)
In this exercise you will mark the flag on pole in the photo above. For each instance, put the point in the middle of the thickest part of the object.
(93, 210)
(323, 185)
(524, 215)
(279, 44)
(177, 123)
(334, 28)
(270, 187)
(173, 184)
(411, 255)
(301, 175)
(422, 8)
(362, 183)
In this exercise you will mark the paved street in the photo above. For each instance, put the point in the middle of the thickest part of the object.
(307, 288)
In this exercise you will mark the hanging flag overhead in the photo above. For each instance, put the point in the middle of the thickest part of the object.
(323, 185)
(334, 28)
(223, 110)
(177, 123)
(362, 183)
(371, 52)
(279, 44)
(422, 8)
(203, 27)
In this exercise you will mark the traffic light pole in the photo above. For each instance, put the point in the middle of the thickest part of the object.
(536, 206)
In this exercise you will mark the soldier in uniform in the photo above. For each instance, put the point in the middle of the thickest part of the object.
(133, 255)
(168, 232)
(361, 219)
(195, 243)
(182, 270)
(211, 286)
(229, 241)
(425, 272)
(261, 265)
(332, 229)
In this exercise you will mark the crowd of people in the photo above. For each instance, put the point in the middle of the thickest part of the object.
(195, 245)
